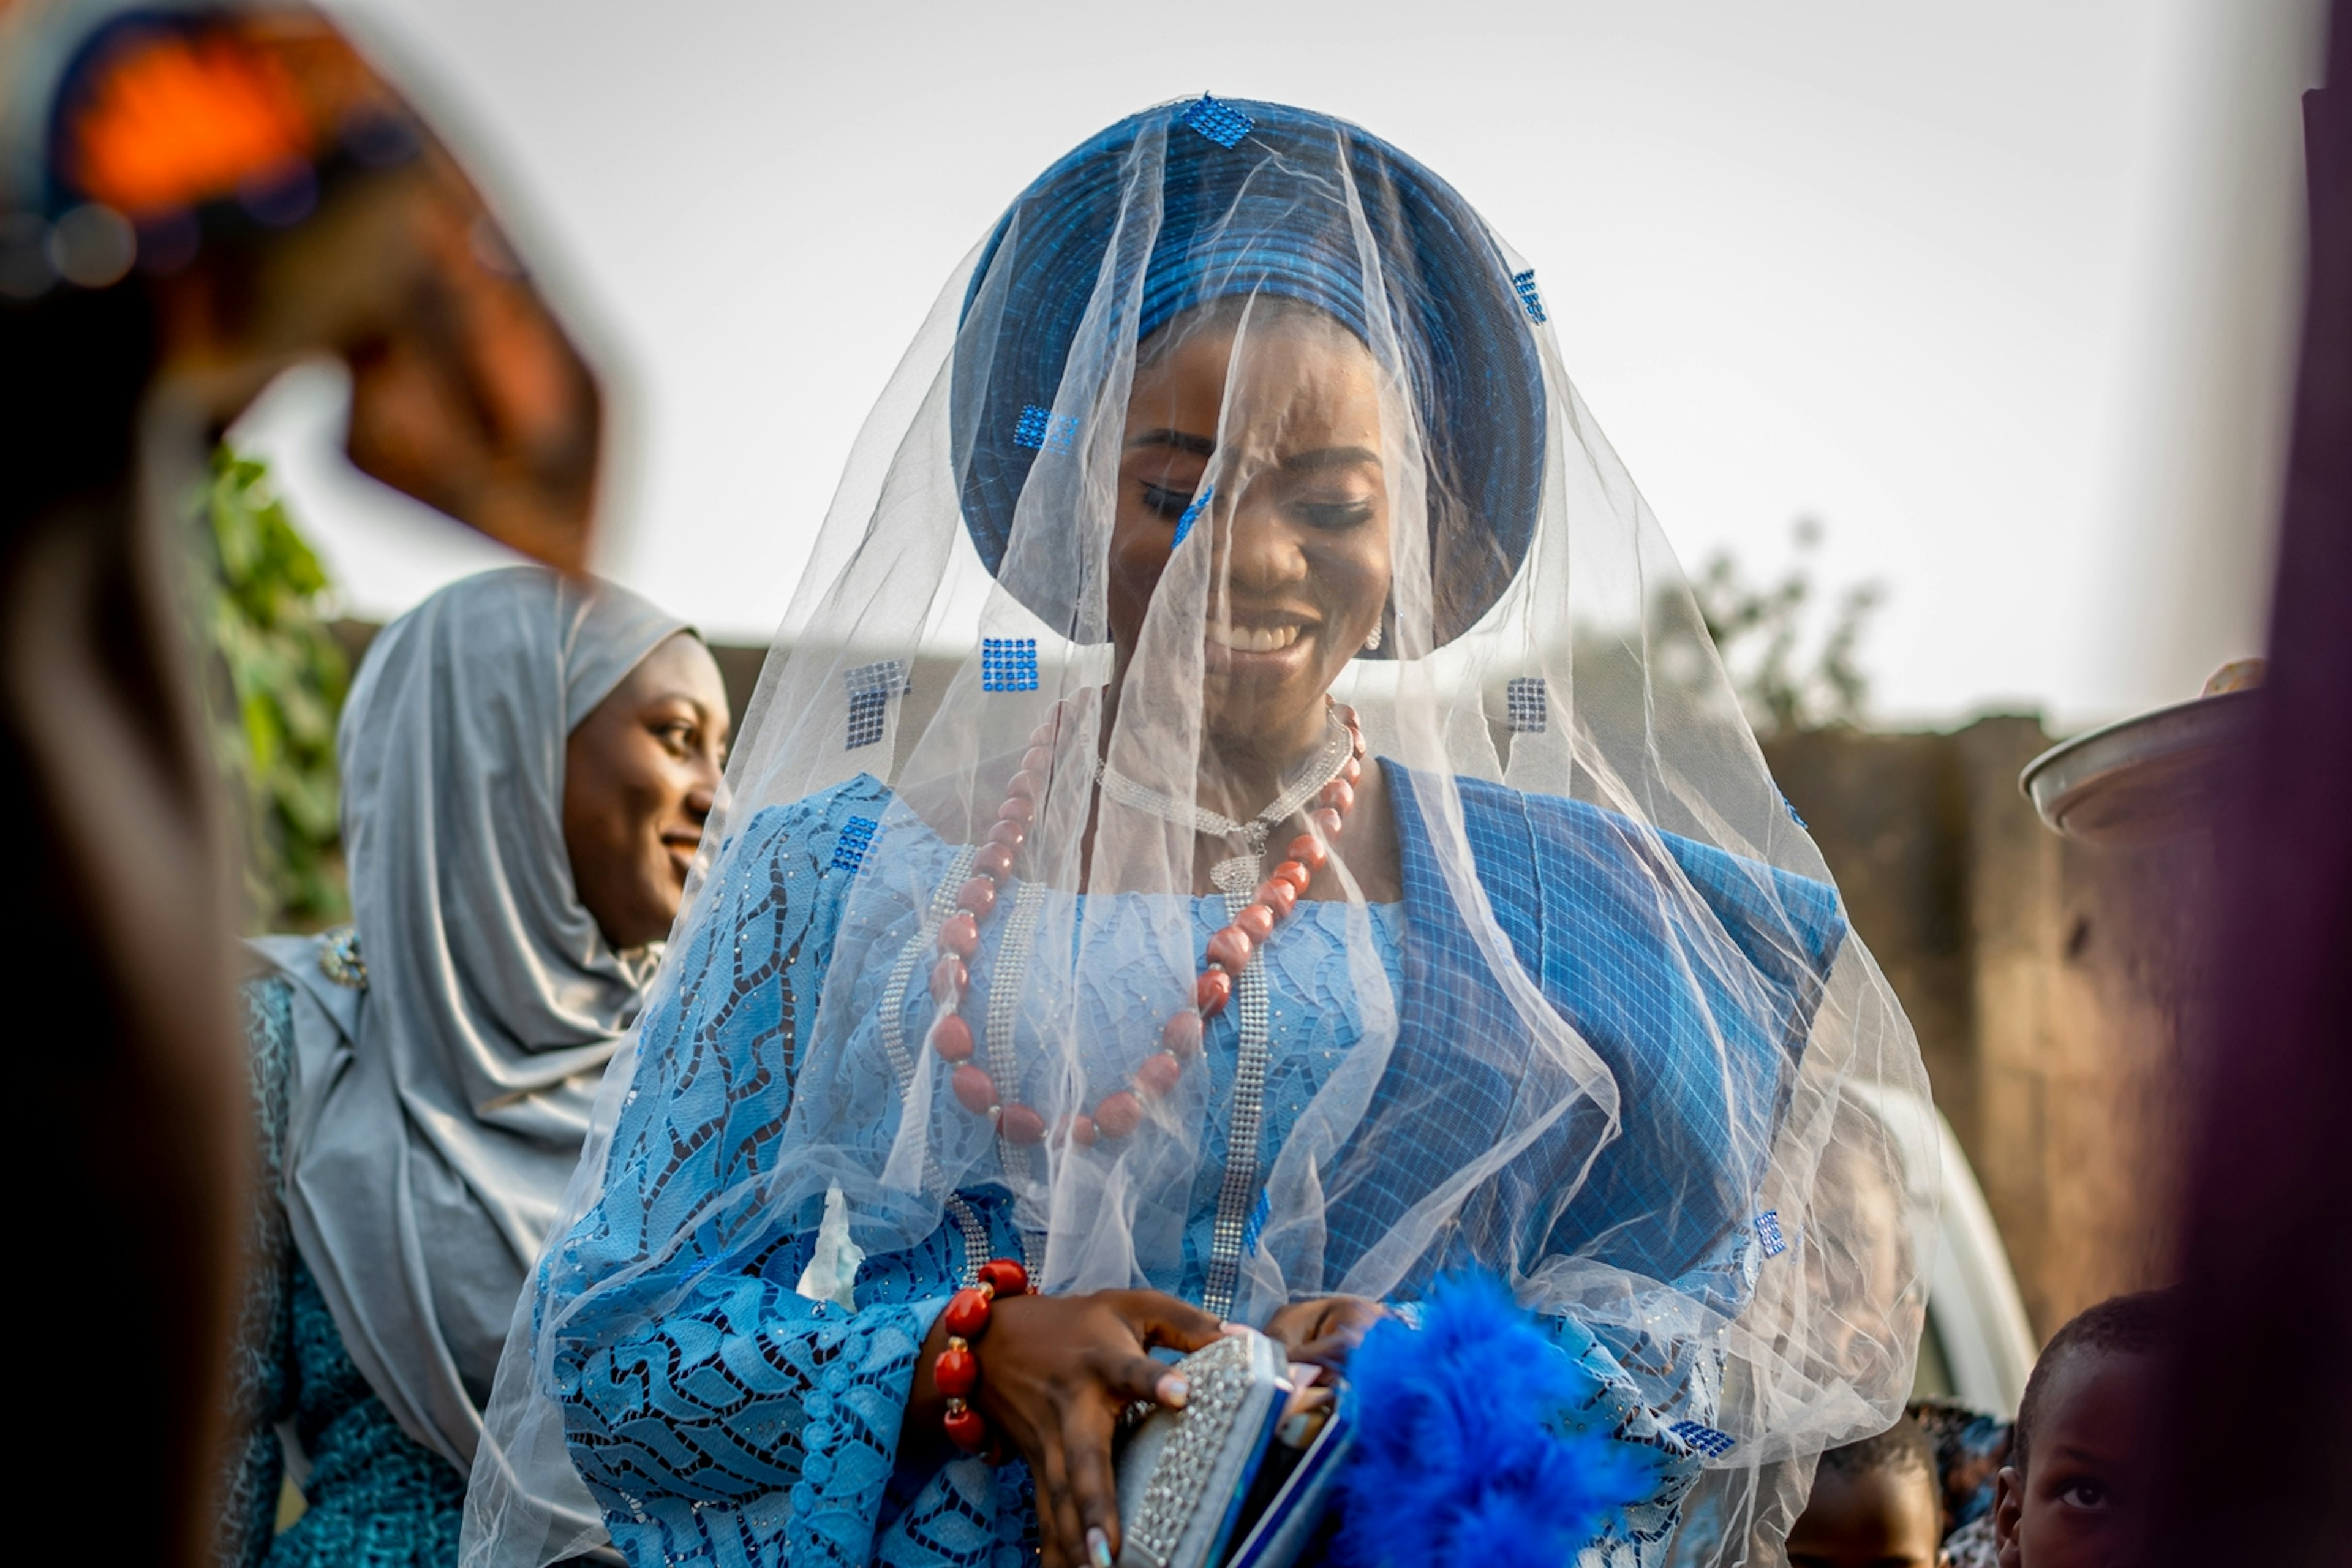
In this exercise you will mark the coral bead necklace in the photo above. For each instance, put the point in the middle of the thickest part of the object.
(1332, 789)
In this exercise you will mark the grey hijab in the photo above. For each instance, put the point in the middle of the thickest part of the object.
(438, 1112)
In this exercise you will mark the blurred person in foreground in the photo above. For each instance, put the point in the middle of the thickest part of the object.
(528, 762)
(1874, 1504)
(1305, 885)
(193, 197)
(2079, 1489)
(2249, 1475)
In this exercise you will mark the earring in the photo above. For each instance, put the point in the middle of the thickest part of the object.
(1372, 642)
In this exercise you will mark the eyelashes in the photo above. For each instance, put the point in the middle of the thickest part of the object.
(1324, 516)
(1331, 516)
(1167, 503)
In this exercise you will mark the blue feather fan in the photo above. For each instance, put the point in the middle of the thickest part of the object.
(1465, 1451)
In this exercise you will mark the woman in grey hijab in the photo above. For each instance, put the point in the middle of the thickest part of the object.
(528, 762)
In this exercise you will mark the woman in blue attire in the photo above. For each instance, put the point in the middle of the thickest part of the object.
(1241, 818)
(527, 764)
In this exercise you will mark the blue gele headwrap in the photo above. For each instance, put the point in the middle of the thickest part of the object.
(1267, 212)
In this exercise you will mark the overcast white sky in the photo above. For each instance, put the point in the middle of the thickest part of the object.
(2002, 292)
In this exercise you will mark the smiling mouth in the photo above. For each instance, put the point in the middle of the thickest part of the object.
(1253, 639)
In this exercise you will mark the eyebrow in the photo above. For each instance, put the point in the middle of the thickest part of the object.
(1332, 457)
(1202, 445)
(703, 712)
(1178, 440)
(2079, 1456)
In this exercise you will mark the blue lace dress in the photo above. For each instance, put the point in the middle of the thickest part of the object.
(750, 1424)
(376, 1498)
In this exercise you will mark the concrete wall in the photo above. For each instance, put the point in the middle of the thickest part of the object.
(2049, 981)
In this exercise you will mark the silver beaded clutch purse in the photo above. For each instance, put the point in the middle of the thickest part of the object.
(1211, 1486)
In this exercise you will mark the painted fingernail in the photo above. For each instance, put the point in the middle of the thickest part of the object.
(1098, 1547)
(1173, 1391)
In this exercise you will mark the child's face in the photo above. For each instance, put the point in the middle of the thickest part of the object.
(2084, 1502)
(1882, 1517)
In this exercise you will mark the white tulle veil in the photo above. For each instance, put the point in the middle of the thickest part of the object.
(1755, 1257)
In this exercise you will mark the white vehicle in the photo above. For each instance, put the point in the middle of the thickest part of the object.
(1978, 1346)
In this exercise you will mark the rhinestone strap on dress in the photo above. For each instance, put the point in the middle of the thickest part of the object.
(894, 1042)
(1237, 1194)
(894, 993)
(1020, 939)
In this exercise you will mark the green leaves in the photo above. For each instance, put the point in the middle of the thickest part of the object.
(275, 694)
(1760, 630)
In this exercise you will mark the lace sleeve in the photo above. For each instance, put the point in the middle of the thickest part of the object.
(715, 1412)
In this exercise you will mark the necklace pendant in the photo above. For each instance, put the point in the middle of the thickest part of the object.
(1240, 874)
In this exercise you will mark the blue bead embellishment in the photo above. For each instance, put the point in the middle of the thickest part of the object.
(1790, 807)
(1039, 428)
(1768, 1232)
(1256, 1227)
(1008, 664)
(871, 686)
(1525, 282)
(1527, 705)
(868, 709)
(856, 838)
(1219, 122)
(1184, 523)
(1706, 1439)
(887, 676)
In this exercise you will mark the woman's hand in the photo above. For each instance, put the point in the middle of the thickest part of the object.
(1056, 1373)
(1324, 1330)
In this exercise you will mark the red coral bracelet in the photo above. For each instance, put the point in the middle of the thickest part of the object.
(957, 1370)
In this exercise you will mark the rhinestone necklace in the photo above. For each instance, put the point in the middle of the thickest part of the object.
(1341, 750)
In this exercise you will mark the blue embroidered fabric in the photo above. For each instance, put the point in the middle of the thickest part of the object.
(376, 1497)
(755, 1415)
(1702, 1055)
(719, 1416)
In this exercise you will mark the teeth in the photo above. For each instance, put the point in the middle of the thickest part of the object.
(1253, 639)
